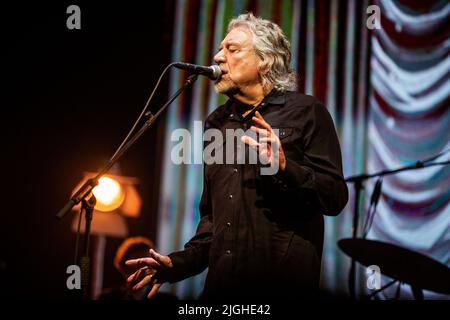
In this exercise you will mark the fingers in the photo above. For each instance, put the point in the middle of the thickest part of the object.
(132, 277)
(142, 272)
(144, 262)
(268, 140)
(145, 281)
(268, 144)
(154, 290)
(165, 260)
(250, 141)
(260, 131)
(259, 120)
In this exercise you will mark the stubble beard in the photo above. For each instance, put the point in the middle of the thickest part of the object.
(226, 86)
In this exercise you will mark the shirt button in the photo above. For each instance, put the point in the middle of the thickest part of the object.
(231, 115)
(228, 252)
(234, 170)
(228, 224)
(230, 196)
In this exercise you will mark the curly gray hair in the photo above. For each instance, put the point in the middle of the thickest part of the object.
(272, 47)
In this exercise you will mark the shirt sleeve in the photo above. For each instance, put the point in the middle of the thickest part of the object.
(194, 258)
(317, 178)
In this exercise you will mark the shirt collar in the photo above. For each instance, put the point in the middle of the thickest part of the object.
(275, 97)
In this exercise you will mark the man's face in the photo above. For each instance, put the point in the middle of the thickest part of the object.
(238, 61)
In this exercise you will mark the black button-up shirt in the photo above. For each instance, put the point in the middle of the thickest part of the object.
(260, 233)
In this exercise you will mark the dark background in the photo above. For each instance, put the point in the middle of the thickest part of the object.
(68, 99)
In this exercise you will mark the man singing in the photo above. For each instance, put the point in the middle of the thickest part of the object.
(260, 235)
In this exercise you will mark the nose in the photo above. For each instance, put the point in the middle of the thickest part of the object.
(219, 57)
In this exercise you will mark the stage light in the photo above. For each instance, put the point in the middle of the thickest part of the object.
(117, 199)
(109, 194)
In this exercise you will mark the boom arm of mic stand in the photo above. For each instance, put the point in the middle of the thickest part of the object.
(82, 192)
(89, 185)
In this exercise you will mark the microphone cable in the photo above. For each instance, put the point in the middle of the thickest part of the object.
(142, 113)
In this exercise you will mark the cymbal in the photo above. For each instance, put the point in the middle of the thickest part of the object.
(399, 263)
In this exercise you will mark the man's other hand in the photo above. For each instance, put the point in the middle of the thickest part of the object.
(151, 271)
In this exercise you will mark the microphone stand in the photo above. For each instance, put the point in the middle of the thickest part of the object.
(358, 184)
(86, 197)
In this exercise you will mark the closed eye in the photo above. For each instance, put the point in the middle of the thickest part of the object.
(233, 49)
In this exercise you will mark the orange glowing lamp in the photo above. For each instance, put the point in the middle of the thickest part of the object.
(109, 194)
(117, 198)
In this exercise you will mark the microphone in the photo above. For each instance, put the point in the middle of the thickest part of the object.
(213, 72)
(376, 192)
